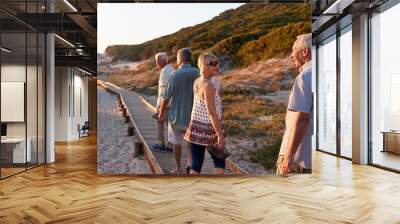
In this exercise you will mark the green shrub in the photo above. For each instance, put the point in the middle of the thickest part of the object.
(232, 127)
(266, 156)
(277, 43)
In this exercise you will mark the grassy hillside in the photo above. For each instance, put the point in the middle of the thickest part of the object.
(233, 33)
(253, 42)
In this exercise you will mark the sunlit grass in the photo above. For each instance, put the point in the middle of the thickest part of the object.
(251, 117)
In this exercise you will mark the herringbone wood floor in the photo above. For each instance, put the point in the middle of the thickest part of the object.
(70, 191)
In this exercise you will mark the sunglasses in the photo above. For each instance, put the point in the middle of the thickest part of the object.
(213, 63)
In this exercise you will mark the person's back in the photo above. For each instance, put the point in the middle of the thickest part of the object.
(179, 93)
(161, 60)
(165, 74)
(180, 88)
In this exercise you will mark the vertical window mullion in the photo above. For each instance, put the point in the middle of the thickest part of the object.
(369, 100)
(37, 90)
(0, 93)
(26, 86)
(338, 74)
(317, 96)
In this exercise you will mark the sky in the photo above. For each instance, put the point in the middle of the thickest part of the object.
(135, 23)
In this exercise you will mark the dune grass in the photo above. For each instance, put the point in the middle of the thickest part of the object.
(251, 117)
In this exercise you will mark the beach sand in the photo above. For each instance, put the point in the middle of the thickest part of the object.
(114, 147)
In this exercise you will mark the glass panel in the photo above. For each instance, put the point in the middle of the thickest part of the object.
(13, 87)
(385, 84)
(23, 89)
(7, 23)
(41, 98)
(31, 86)
(14, 6)
(327, 95)
(346, 94)
(31, 98)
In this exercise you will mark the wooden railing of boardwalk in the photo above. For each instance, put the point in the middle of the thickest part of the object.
(134, 128)
(137, 111)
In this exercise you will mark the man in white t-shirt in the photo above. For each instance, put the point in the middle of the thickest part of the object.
(166, 70)
(295, 152)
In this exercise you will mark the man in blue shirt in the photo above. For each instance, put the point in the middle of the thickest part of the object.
(179, 93)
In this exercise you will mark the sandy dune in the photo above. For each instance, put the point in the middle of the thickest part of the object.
(114, 147)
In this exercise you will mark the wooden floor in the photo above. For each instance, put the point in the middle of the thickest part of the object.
(386, 159)
(70, 191)
(10, 171)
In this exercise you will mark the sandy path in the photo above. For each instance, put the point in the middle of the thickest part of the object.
(114, 147)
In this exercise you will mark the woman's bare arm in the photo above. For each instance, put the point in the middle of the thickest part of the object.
(209, 98)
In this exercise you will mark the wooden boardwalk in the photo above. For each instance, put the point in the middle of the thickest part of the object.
(140, 114)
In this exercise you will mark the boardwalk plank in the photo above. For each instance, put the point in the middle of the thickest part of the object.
(142, 116)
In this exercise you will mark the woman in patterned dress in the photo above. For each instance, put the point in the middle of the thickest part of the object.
(205, 128)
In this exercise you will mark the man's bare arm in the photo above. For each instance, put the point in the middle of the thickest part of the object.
(163, 108)
(299, 126)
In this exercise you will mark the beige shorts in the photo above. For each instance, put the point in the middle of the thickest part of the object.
(175, 136)
(295, 170)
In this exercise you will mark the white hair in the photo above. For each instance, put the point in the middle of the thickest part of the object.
(304, 41)
(161, 56)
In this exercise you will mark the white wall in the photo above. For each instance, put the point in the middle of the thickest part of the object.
(70, 83)
(12, 73)
(33, 125)
(81, 89)
(62, 80)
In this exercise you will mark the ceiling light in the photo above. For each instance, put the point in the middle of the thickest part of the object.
(337, 7)
(79, 51)
(65, 41)
(70, 5)
(86, 72)
(5, 50)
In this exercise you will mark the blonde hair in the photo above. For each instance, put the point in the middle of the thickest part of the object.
(205, 58)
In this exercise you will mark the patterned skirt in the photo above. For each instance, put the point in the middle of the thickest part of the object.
(201, 133)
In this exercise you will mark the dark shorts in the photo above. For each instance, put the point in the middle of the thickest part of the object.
(198, 152)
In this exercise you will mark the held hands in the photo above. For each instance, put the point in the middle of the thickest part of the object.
(161, 116)
(158, 109)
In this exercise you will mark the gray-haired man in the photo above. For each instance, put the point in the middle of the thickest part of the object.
(295, 152)
(179, 93)
(166, 71)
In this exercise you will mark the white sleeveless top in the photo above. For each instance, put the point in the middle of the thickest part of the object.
(199, 111)
(200, 130)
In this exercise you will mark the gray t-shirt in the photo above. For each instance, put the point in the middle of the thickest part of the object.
(300, 99)
(180, 93)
